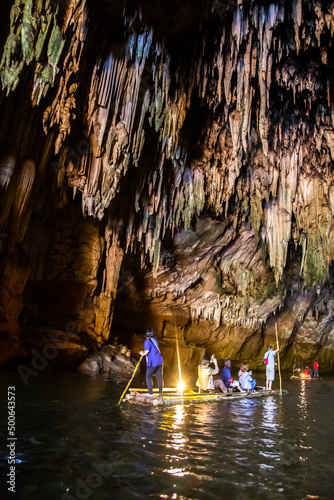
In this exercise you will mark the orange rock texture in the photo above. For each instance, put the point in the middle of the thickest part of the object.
(179, 152)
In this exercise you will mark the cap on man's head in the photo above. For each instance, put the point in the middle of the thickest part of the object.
(205, 362)
(269, 347)
(149, 333)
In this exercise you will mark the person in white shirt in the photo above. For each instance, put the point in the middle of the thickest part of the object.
(269, 359)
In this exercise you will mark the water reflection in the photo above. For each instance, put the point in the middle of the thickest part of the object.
(270, 426)
(269, 415)
(272, 448)
(178, 416)
(176, 441)
(203, 424)
(244, 414)
(304, 417)
(302, 404)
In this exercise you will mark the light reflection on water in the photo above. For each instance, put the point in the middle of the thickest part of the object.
(302, 404)
(176, 441)
(251, 449)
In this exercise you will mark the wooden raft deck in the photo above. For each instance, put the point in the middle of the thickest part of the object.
(136, 396)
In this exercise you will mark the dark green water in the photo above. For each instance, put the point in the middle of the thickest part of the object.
(73, 442)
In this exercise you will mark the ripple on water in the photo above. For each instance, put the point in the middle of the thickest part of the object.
(271, 448)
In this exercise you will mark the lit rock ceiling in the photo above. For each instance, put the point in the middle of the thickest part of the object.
(189, 143)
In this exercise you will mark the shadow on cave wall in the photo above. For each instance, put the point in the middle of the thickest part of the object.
(130, 320)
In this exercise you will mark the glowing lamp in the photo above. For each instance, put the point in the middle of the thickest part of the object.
(180, 386)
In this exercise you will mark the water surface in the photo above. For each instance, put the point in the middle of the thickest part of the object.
(75, 443)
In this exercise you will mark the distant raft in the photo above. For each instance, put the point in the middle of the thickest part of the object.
(191, 396)
(296, 377)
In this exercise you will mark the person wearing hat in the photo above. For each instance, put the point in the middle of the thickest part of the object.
(205, 380)
(269, 359)
(154, 362)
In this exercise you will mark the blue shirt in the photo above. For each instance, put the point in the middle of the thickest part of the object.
(154, 357)
(271, 358)
(226, 376)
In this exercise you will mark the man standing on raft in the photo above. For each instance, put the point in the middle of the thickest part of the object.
(269, 359)
(154, 362)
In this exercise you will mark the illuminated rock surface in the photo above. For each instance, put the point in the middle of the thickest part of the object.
(181, 152)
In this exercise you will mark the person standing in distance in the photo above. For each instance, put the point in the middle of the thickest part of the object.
(269, 359)
(154, 362)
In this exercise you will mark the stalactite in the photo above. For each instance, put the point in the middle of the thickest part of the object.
(297, 8)
(141, 94)
(34, 31)
(15, 214)
(7, 165)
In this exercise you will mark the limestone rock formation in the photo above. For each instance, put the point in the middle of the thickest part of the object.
(114, 360)
(182, 150)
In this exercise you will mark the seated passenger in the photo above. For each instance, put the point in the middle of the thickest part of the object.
(246, 380)
(205, 380)
(226, 377)
(240, 372)
(307, 373)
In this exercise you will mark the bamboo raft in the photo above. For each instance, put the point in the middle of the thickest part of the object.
(172, 397)
(294, 377)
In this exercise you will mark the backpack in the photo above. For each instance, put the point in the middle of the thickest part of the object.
(266, 360)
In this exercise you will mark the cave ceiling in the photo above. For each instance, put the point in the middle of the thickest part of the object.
(189, 142)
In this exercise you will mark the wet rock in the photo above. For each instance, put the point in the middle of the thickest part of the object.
(112, 359)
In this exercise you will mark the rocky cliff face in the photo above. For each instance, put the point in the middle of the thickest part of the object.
(180, 152)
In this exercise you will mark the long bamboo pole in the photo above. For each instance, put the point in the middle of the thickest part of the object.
(278, 362)
(126, 388)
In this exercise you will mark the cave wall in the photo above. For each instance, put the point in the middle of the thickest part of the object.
(194, 137)
(223, 300)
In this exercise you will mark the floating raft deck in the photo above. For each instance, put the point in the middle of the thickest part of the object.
(172, 397)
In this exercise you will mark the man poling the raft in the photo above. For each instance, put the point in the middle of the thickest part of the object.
(269, 360)
(154, 366)
(154, 363)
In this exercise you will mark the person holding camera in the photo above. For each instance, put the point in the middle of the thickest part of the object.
(205, 380)
(247, 382)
